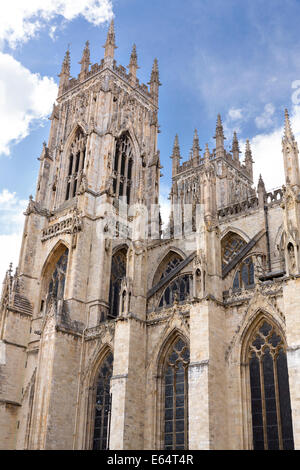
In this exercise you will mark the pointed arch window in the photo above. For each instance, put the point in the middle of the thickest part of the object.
(103, 405)
(232, 244)
(118, 272)
(244, 276)
(179, 289)
(123, 166)
(175, 430)
(167, 265)
(76, 164)
(270, 396)
(56, 286)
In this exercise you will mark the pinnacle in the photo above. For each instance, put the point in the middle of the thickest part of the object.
(176, 148)
(288, 133)
(261, 183)
(133, 57)
(110, 39)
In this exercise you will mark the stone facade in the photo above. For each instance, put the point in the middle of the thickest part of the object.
(210, 283)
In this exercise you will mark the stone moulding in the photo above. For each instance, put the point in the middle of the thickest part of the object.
(70, 225)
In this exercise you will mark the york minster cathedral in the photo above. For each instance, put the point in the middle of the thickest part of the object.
(117, 332)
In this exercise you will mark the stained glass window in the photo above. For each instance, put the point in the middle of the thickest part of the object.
(57, 282)
(244, 276)
(179, 289)
(270, 396)
(176, 397)
(232, 245)
(103, 405)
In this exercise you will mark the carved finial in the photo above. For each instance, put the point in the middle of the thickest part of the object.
(175, 156)
(235, 147)
(154, 81)
(196, 147)
(176, 148)
(219, 127)
(288, 134)
(206, 154)
(64, 75)
(85, 61)
(248, 159)
(133, 65)
(110, 44)
(261, 184)
(219, 137)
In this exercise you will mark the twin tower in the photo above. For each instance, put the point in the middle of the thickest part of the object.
(128, 339)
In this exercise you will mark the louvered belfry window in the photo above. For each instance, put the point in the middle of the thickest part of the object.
(176, 397)
(76, 164)
(123, 166)
(118, 272)
(270, 396)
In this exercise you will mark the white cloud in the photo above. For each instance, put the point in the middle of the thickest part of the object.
(235, 114)
(265, 120)
(24, 98)
(9, 252)
(11, 225)
(165, 205)
(20, 20)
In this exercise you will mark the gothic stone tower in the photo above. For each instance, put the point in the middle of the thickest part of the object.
(114, 336)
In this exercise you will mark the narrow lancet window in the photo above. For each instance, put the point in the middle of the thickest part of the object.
(176, 397)
(76, 164)
(123, 164)
(103, 405)
(118, 272)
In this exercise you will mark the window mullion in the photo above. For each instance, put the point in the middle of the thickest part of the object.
(277, 403)
(263, 402)
(186, 409)
(174, 406)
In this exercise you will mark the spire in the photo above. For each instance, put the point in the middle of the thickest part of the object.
(110, 44)
(219, 138)
(248, 159)
(176, 148)
(64, 75)
(154, 81)
(261, 192)
(85, 61)
(175, 156)
(235, 147)
(196, 148)
(288, 134)
(133, 66)
(206, 155)
(290, 154)
(261, 184)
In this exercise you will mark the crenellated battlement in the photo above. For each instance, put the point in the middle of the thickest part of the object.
(89, 70)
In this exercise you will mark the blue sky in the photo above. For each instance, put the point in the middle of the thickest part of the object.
(237, 57)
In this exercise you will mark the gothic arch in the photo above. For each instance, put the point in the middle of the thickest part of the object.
(118, 272)
(232, 243)
(130, 130)
(48, 267)
(263, 396)
(172, 339)
(91, 386)
(236, 230)
(163, 261)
